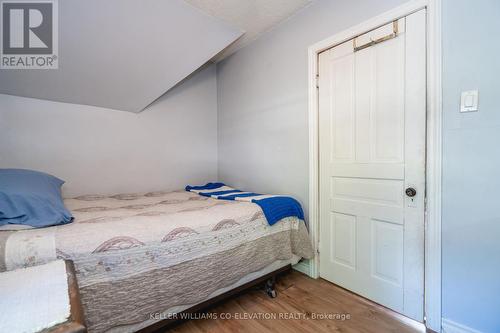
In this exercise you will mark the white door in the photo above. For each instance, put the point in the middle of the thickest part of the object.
(372, 104)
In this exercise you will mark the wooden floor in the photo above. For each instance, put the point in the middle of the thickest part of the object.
(305, 299)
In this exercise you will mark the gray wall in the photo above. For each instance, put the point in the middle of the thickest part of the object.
(262, 96)
(170, 144)
(471, 165)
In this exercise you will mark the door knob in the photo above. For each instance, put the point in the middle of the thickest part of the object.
(411, 192)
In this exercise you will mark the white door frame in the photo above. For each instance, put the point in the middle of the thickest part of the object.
(432, 299)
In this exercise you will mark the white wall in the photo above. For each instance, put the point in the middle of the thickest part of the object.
(170, 144)
(262, 96)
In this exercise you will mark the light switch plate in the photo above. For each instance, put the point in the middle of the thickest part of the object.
(469, 101)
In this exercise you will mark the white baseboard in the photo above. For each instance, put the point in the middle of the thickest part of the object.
(450, 326)
(303, 267)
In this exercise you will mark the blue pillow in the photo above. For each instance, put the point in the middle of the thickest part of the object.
(31, 198)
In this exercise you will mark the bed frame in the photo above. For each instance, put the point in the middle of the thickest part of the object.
(269, 280)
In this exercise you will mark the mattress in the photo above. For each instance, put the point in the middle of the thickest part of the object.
(137, 254)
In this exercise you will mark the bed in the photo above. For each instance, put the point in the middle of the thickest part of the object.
(139, 257)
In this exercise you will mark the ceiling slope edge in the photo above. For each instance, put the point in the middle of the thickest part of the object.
(122, 54)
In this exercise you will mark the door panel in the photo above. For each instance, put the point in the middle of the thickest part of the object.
(344, 236)
(387, 243)
(387, 113)
(372, 147)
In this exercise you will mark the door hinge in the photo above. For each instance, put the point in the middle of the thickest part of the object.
(317, 81)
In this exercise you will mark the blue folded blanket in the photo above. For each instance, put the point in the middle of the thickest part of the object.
(275, 207)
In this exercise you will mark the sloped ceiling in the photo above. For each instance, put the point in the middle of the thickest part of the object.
(123, 54)
(255, 17)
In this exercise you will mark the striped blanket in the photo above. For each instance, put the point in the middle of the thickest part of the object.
(275, 207)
